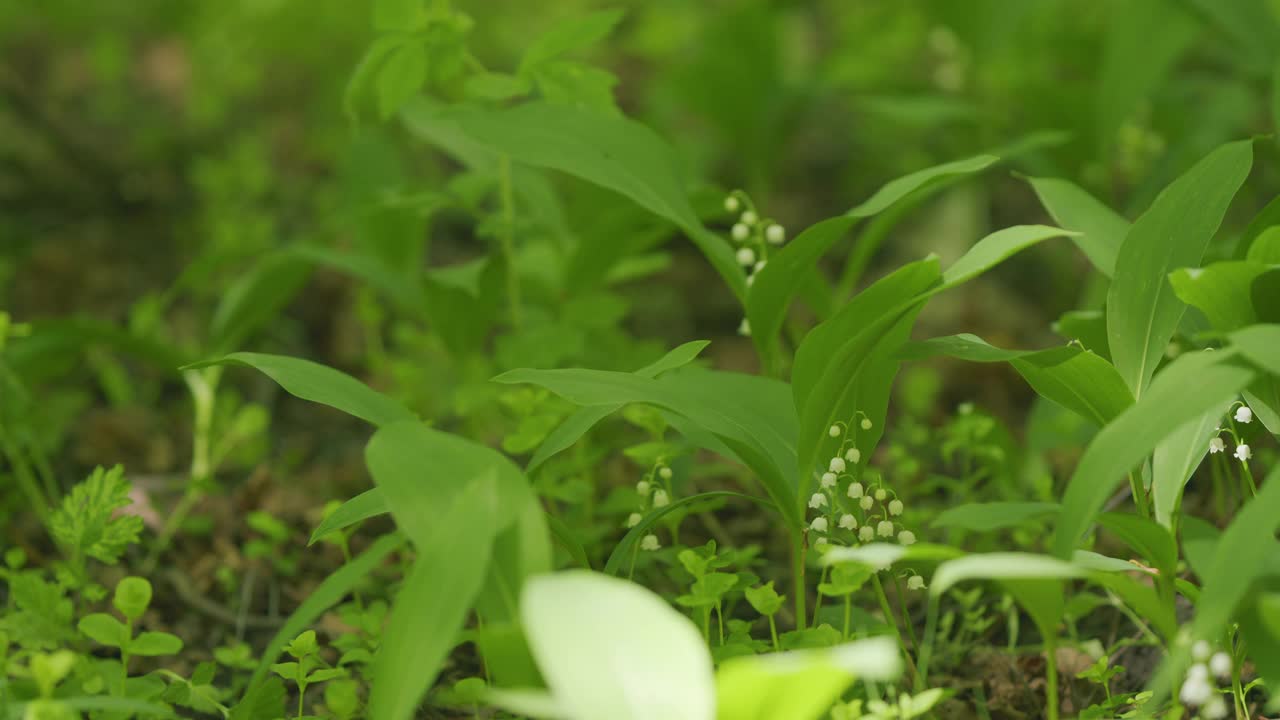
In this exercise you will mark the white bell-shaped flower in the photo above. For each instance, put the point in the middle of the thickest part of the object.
(660, 498)
(1216, 445)
(643, 487)
(1215, 709)
(746, 256)
(853, 455)
(740, 232)
(836, 465)
(650, 542)
(819, 524)
(1220, 665)
(915, 582)
(906, 537)
(855, 490)
(749, 217)
(866, 533)
(1200, 652)
(817, 500)
(884, 528)
(895, 507)
(1244, 414)
(664, 472)
(633, 520)
(829, 480)
(848, 522)
(866, 423)
(834, 431)
(1243, 452)
(866, 502)
(775, 234)
(881, 494)
(1196, 691)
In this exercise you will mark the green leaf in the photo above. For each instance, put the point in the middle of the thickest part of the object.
(367, 504)
(985, 517)
(328, 593)
(155, 643)
(362, 78)
(87, 522)
(847, 364)
(1221, 291)
(132, 597)
(881, 556)
(286, 670)
(255, 299)
(578, 424)
(996, 248)
(654, 666)
(1087, 327)
(1074, 378)
(602, 148)
(778, 282)
(1142, 309)
(764, 599)
(264, 700)
(318, 383)
(496, 86)
(1123, 443)
(1176, 459)
(1101, 229)
(400, 77)
(1151, 540)
(104, 630)
(717, 402)
(573, 34)
(432, 604)
(1001, 566)
(802, 684)
(304, 645)
(1265, 248)
(1241, 556)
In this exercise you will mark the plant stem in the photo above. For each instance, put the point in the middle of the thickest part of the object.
(1139, 495)
(507, 238)
(926, 649)
(798, 552)
(893, 623)
(817, 601)
(906, 618)
(1051, 672)
(203, 386)
(773, 633)
(847, 605)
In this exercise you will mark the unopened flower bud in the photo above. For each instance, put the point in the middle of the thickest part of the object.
(740, 232)
(664, 472)
(746, 256)
(1220, 665)
(866, 423)
(732, 204)
(1216, 445)
(633, 520)
(915, 582)
(881, 494)
(643, 487)
(834, 431)
(749, 217)
(660, 498)
(775, 234)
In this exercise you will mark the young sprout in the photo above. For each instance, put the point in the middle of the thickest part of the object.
(1216, 446)
(775, 234)
(650, 542)
(1244, 414)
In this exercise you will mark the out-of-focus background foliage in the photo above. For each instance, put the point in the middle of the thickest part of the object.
(152, 152)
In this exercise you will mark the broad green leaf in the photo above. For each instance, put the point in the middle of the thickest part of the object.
(653, 666)
(1142, 309)
(432, 604)
(623, 550)
(1001, 566)
(602, 148)
(1135, 433)
(1260, 241)
(359, 86)
(367, 504)
(574, 34)
(255, 299)
(321, 384)
(996, 248)
(104, 630)
(579, 423)
(1176, 459)
(400, 77)
(328, 593)
(1150, 540)
(846, 364)
(132, 597)
(1074, 378)
(1260, 345)
(715, 401)
(1240, 557)
(777, 283)
(881, 556)
(155, 643)
(985, 517)
(802, 684)
(1221, 291)
(1101, 229)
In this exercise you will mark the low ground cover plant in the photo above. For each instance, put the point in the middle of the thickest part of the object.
(556, 517)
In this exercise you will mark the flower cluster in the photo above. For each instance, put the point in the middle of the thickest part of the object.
(859, 513)
(752, 237)
(1244, 416)
(654, 490)
(1198, 688)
